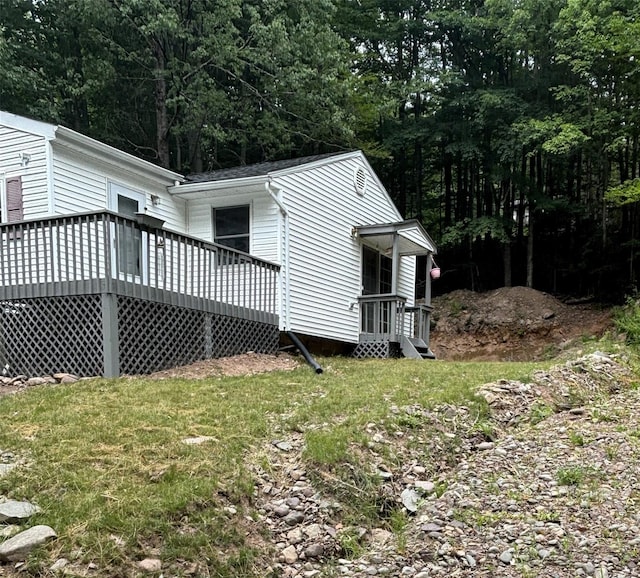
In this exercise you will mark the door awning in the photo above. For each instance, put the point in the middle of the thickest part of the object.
(412, 238)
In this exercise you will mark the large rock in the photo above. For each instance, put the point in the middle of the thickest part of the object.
(18, 548)
(12, 511)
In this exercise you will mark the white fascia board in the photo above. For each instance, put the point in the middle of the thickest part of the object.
(29, 125)
(201, 189)
(105, 153)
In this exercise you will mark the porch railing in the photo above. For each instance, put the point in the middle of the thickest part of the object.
(418, 321)
(387, 318)
(382, 317)
(103, 252)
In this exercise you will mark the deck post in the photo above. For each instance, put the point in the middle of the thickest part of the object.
(110, 336)
(395, 274)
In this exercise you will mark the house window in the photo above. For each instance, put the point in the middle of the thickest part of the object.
(231, 227)
(376, 272)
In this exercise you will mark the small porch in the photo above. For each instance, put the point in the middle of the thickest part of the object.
(388, 326)
(102, 294)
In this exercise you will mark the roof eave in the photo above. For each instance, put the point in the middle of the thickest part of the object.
(315, 164)
(88, 146)
(189, 188)
(425, 247)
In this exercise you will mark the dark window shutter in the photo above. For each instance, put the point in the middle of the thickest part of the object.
(15, 210)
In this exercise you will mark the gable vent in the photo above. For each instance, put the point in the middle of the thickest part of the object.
(360, 180)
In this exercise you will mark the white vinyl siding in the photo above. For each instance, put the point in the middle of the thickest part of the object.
(13, 144)
(325, 259)
(82, 184)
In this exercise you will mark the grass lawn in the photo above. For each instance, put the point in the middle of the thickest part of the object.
(107, 463)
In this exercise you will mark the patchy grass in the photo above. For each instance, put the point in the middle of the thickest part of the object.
(108, 465)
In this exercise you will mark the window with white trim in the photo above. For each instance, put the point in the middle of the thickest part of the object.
(231, 227)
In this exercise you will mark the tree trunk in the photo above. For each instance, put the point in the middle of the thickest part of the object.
(530, 250)
(447, 188)
(506, 261)
(162, 122)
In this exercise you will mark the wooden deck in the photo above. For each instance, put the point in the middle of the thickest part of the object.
(145, 298)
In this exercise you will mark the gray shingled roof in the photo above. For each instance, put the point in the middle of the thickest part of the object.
(256, 170)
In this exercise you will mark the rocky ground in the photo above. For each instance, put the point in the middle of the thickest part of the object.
(547, 486)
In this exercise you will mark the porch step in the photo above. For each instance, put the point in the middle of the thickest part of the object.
(415, 348)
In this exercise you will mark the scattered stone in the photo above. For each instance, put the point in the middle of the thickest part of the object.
(150, 565)
(500, 509)
(65, 377)
(294, 518)
(314, 550)
(290, 555)
(483, 446)
(506, 557)
(410, 498)
(283, 445)
(18, 548)
(380, 536)
(194, 441)
(12, 511)
(314, 531)
(59, 565)
(431, 528)
(281, 510)
(426, 487)
(6, 468)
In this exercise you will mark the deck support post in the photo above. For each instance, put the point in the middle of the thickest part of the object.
(110, 336)
(395, 274)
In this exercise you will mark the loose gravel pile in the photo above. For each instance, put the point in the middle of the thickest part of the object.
(548, 485)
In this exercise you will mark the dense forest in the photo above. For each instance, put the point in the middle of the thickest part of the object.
(510, 128)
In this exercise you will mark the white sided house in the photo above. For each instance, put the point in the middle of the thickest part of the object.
(112, 265)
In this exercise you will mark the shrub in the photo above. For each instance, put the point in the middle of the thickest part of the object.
(627, 320)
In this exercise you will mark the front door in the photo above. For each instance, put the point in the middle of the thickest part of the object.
(128, 247)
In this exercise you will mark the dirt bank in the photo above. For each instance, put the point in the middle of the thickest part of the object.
(511, 323)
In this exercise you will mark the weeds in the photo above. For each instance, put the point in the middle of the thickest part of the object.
(539, 412)
(576, 439)
(571, 476)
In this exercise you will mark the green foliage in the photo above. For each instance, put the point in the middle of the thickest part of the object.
(624, 194)
(539, 412)
(571, 476)
(576, 438)
(627, 321)
(493, 227)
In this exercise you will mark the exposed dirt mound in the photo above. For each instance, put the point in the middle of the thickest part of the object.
(511, 323)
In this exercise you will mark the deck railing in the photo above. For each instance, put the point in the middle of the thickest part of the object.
(103, 252)
(382, 317)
